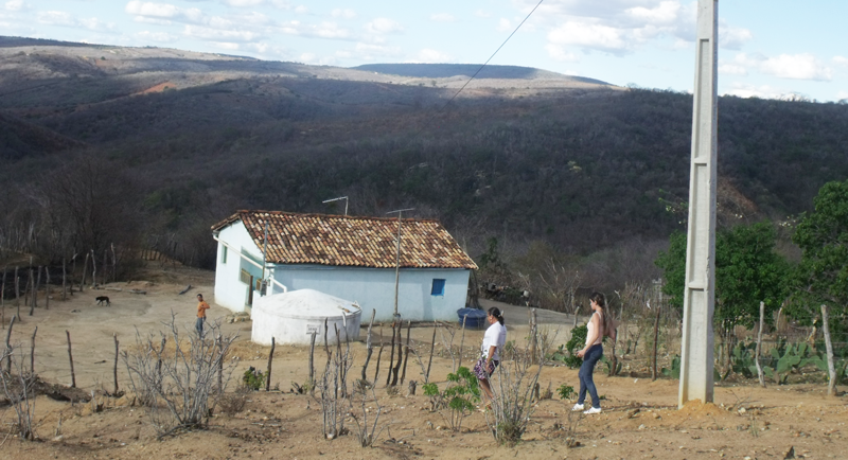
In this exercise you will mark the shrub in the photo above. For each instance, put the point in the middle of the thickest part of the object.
(565, 391)
(253, 379)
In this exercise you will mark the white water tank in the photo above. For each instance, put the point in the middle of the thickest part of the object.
(292, 316)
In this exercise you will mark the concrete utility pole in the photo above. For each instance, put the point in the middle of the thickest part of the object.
(397, 256)
(696, 356)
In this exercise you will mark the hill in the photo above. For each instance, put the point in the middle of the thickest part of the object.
(521, 154)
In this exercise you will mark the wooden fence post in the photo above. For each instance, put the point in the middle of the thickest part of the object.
(312, 359)
(47, 288)
(64, 279)
(115, 368)
(461, 340)
(430, 361)
(379, 356)
(831, 381)
(654, 348)
(3, 297)
(9, 345)
(534, 337)
(32, 352)
(392, 355)
(270, 360)
(405, 352)
(93, 269)
(84, 272)
(71, 357)
(396, 369)
(220, 342)
(17, 292)
(759, 347)
(369, 345)
(32, 290)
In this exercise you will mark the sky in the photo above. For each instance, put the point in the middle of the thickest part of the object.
(767, 48)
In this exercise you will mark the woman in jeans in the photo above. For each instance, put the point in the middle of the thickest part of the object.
(592, 353)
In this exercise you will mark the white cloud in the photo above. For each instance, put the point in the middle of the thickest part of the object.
(345, 13)
(62, 18)
(228, 46)
(157, 10)
(482, 14)
(430, 56)
(443, 17)
(329, 30)
(504, 25)
(300, 9)
(160, 37)
(206, 33)
(559, 54)
(803, 66)
(55, 18)
(667, 12)
(763, 92)
(244, 3)
(146, 20)
(372, 52)
(593, 36)
(840, 61)
(798, 67)
(733, 38)
(14, 5)
(383, 26)
(732, 69)
(842, 95)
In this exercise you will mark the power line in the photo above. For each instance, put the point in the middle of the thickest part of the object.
(493, 54)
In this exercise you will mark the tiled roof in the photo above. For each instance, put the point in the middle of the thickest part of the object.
(351, 241)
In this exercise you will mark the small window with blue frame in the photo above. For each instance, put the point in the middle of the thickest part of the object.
(438, 287)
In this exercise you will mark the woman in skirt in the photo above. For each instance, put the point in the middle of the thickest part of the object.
(493, 342)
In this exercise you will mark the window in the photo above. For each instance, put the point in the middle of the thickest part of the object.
(438, 287)
(223, 254)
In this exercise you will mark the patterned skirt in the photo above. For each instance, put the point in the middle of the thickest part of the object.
(480, 368)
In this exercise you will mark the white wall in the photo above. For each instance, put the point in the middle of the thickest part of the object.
(230, 292)
(374, 288)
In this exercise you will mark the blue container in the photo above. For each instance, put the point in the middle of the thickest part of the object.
(474, 318)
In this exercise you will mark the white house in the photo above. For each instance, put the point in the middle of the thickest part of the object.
(344, 256)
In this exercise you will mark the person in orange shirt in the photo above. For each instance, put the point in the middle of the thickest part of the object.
(202, 306)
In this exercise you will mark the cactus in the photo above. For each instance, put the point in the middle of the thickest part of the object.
(742, 359)
(794, 357)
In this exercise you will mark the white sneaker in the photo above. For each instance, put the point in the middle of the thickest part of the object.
(593, 410)
(577, 407)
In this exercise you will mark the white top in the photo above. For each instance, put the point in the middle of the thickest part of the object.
(591, 327)
(495, 335)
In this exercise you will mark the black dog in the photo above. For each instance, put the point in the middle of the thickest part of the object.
(100, 300)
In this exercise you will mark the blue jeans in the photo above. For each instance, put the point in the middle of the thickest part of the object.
(592, 356)
(198, 326)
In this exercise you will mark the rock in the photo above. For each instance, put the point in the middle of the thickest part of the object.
(632, 413)
(59, 438)
(789, 453)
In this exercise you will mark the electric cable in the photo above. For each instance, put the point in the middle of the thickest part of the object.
(493, 54)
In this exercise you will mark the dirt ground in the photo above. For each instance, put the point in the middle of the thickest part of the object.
(639, 420)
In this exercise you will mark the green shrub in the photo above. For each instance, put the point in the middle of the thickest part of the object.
(565, 391)
(253, 379)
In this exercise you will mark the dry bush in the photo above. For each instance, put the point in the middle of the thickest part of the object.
(178, 388)
(367, 430)
(333, 388)
(514, 385)
(18, 387)
(232, 403)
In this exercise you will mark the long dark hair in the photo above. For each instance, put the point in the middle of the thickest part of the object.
(493, 311)
(599, 299)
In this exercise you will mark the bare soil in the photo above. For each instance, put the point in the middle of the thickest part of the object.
(640, 418)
